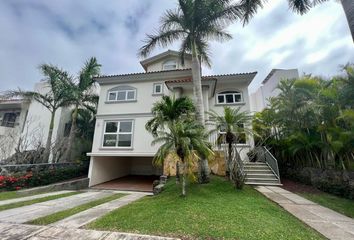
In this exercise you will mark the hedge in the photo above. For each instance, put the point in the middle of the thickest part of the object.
(40, 178)
(340, 183)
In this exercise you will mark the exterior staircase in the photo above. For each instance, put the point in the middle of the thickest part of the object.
(260, 173)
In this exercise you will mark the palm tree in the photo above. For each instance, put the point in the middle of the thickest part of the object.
(250, 8)
(57, 97)
(167, 111)
(82, 96)
(187, 140)
(232, 122)
(195, 23)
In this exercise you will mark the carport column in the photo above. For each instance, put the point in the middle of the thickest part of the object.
(90, 170)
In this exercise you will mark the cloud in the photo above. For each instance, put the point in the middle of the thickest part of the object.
(66, 33)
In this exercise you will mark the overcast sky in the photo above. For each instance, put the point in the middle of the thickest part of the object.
(66, 33)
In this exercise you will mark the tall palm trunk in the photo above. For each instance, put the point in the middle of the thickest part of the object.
(48, 145)
(227, 170)
(348, 6)
(67, 154)
(183, 177)
(198, 98)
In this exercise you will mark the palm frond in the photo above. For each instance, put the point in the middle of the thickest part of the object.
(161, 38)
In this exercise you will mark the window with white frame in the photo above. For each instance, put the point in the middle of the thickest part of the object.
(158, 88)
(121, 94)
(169, 65)
(229, 97)
(118, 134)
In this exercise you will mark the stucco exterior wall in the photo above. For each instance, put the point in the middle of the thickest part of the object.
(144, 98)
(38, 119)
(158, 66)
(260, 99)
(141, 141)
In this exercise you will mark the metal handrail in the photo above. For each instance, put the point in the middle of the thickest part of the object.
(237, 161)
(270, 160)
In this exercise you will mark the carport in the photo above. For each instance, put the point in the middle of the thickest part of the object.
(123, 173)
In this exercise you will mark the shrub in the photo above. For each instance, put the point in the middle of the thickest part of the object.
(40, 178)
(340, 183)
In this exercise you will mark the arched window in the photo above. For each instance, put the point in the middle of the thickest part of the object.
(229, 97)
(169, 65)
(121, 94)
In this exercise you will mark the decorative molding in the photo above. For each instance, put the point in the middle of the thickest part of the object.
(122, 115)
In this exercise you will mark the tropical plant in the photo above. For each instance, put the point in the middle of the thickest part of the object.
(232, 122)
(310, 123)
(195, 23)
(82, 96)
(250, 8)
(187, 140)
(168, 111)
(56, 97)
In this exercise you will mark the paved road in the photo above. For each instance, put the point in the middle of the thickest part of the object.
(329, 223)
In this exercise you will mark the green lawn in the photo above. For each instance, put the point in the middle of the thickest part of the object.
(211, 211)
(66, 213)
(341, 205)
(38, 200)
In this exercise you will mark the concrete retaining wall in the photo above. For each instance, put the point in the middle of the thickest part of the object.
(76, 184)
(18, 168)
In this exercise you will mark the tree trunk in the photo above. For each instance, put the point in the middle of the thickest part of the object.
(198, 99)
(67, 154)
(183, 179)
(48, 145)
(348, 6)
(227, 172)
(177, 172)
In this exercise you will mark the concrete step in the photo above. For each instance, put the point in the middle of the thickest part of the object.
(262, 180)
(263, 184)
(256, 167)
(254, 163)
(260, 175)
(258, 171)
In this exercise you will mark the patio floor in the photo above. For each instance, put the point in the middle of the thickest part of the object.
(129, 183)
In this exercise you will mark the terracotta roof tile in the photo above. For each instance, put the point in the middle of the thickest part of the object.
(130, 74)
(210, 77)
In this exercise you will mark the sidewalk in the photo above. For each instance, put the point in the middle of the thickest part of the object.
(9, 231)
(329, 223)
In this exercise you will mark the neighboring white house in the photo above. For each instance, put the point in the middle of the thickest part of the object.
(121, 144)
(24, 124)
(268, 89)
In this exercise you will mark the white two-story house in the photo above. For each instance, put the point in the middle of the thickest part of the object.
(121, 144)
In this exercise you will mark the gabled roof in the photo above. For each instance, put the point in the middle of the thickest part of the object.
(160, 56)
(274, 70)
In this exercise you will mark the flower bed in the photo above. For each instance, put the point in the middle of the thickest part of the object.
(40, 178)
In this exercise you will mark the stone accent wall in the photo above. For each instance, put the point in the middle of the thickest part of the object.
(217, 165)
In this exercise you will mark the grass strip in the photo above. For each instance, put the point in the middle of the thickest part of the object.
(338, 204)
(13, 194)
(38, 200)
(69, 212)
